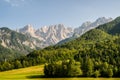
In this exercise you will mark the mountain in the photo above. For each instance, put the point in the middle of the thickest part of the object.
(48, 35)
(86, 26)
(13, 40)
(13, 44)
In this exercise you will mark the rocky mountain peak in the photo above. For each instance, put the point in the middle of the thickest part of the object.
(90, 25)
(28, 29)
(103, 20)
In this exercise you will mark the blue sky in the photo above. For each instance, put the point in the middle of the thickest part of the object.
(17, 13)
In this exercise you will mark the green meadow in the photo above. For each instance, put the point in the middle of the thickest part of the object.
(23, 73)
(36, 73)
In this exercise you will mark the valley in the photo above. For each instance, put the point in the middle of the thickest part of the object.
(94, 54)
(59, 40)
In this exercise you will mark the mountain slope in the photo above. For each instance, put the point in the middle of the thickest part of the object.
(13, 44)
(96, 35)
(112, 27)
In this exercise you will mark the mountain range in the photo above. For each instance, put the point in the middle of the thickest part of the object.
(50, 35)
(14, 44)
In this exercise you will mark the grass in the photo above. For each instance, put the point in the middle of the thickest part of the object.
(23, 73)
(35, 73)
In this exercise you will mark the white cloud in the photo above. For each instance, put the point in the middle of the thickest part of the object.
(15, 2)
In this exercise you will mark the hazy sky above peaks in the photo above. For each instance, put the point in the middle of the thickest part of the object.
(18, 13)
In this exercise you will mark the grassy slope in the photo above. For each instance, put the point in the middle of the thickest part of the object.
(23, 73)
(34, 73)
